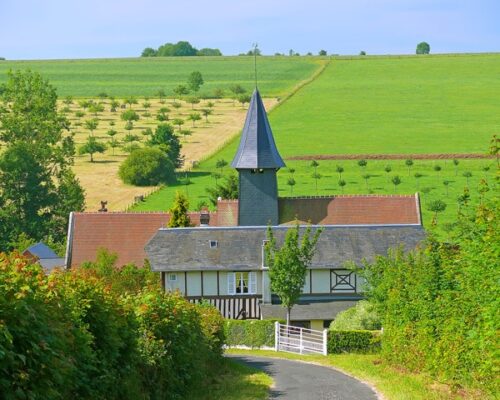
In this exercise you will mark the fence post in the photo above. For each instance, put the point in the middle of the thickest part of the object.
(276, 335)
(325, 342)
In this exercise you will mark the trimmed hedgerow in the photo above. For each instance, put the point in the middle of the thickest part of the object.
(359, 341)
(74, 335)
(251, 333)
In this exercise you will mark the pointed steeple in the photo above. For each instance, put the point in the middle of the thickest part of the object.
(257, 148)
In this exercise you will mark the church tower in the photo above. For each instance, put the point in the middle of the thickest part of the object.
(257, 162)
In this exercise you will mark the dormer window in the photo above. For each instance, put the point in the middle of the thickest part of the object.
(213, 244)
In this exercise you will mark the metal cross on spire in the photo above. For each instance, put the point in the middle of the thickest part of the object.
(255, 48)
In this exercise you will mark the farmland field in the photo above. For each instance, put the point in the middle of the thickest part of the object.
(145, 76)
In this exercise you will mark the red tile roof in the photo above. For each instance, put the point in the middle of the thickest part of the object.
(124, 233)
(351, 209)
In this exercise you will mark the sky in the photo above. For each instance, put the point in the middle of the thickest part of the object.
(49, 29)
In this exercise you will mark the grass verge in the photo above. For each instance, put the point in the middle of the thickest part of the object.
(390, 383)
(235, 381)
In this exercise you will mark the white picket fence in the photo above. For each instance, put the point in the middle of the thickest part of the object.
(294, 339)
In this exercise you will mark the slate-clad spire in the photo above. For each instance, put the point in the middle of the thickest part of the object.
(257, 148)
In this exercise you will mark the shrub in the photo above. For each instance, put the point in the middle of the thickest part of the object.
(146, 167)
(360, 317)
(252, 333)
(355, 341)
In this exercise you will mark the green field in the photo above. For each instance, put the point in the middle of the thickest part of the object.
(392, 106)
(144, 76)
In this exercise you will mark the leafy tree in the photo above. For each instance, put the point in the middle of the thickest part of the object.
(322, 53)
(292, 171)
(423, 48)
(179, 49)
(446, 183)
(129, 126)
(467, 175)
(146, 167)
(129, 138)
(84, 104)
(179, 212)
(91, 147)
(339, 170)
(243, 99)
(409, 164)
(194, 117)
(288, 263)
(113, 143)
(79, 114)
(149, 52)
(129, 116)
(227, 190)
(236, 90)
(186, 132)
(162, 116)
(315, 165)
(193, 100)
(366, 177)
(91, 125)
(210, 105)
(362, 163)
(342, 183)
(396, 180)
(485, 169)
(161, 94)
(436, 206)
(146, 105)
(221, 163)
(437, 168)
(316, 176)
(176, 105)
(494, 149)
(209, 52)
(387, 170)
(219, 93)
(362, 53)
(291, 182)
(180, 90)
(425, 191)
(165, 139)
(114, 104)
(216, 176)
(179, 122)
(206, 112)
(68, 100)
(130, 101)
(36, 183)
(417, 176)
(96, 108)
(195, 81)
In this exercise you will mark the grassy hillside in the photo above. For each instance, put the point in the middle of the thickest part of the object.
(392, 105)
(144, 76)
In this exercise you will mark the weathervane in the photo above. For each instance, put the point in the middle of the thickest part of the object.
(255, 46)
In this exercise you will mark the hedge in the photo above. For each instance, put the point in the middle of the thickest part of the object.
(251, 333)
(74, 335)
(359, 341)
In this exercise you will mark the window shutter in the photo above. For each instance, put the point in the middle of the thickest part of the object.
(231, 283)
(252, 285)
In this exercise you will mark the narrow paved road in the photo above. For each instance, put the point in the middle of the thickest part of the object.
(299, 381)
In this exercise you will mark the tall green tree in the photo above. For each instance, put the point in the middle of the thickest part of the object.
(195, 81)
(288, 263)
(164, 138)
(91, 147)
(37, 187)
(423, 48)
(179, 212)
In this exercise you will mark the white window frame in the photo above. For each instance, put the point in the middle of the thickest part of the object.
(234, 277)
(172, 277)
(213, 244)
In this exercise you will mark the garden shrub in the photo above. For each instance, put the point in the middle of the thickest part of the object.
(251, 333)
(360, 317)
(353, 341)
(75, 335)
(147, 167)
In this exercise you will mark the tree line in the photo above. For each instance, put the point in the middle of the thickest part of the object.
(179, 49)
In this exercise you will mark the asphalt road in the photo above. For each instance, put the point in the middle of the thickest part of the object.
(299, 381)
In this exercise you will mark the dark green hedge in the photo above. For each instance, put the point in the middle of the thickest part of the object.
(86, 334)
(251, 333)
(353, 341)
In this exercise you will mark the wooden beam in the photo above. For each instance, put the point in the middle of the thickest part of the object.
(201, 283)
(185, 284)
(310, 280)
(218, 291)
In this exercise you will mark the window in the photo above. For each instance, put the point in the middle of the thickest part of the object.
(241, 283)
(214, 244)
(172, 277)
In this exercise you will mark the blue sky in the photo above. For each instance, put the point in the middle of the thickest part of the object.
(33, 29)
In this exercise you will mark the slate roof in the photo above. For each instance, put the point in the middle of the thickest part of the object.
(257, 148)
(45, 256)
(240, 248)
(124, 233)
